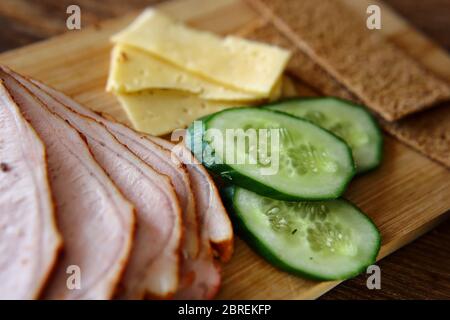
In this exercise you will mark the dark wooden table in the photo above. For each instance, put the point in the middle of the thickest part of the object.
(420, 270)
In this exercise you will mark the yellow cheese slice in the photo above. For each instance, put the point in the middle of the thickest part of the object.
(234, 62)
(161, 111)
(135, 70)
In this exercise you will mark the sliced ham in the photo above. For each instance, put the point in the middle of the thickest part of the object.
(155, 156)
(219, 225)
(214, 217)
(214, 223)
(29, 240)
(163, 161)
(94, 218)
(201, 276)
(153, 265)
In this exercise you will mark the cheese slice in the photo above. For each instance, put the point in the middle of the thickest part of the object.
(135, 70)
(233, 62)
(160, 112)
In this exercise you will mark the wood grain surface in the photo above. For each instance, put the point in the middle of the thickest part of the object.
(420, 270)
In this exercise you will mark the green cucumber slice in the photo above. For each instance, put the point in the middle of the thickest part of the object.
(321, 240)
(308, 162)
(345, 119)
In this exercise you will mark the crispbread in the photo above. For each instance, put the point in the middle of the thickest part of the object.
(386, 79)
(428, 132)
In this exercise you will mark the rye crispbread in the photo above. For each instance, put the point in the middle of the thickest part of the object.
(427, 132)
(385, 78)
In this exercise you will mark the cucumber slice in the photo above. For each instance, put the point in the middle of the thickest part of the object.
(308, 162)
(347, 120)
(325, 240)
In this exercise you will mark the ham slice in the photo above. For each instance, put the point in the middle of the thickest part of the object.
(163, 160)
(214, 217)
(201, 276)
(153, 265)
(214, 223)
(95, 219)
(29, 240)
(219, 225)
(155, 156)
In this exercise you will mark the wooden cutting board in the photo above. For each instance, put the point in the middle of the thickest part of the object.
(406, 197)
